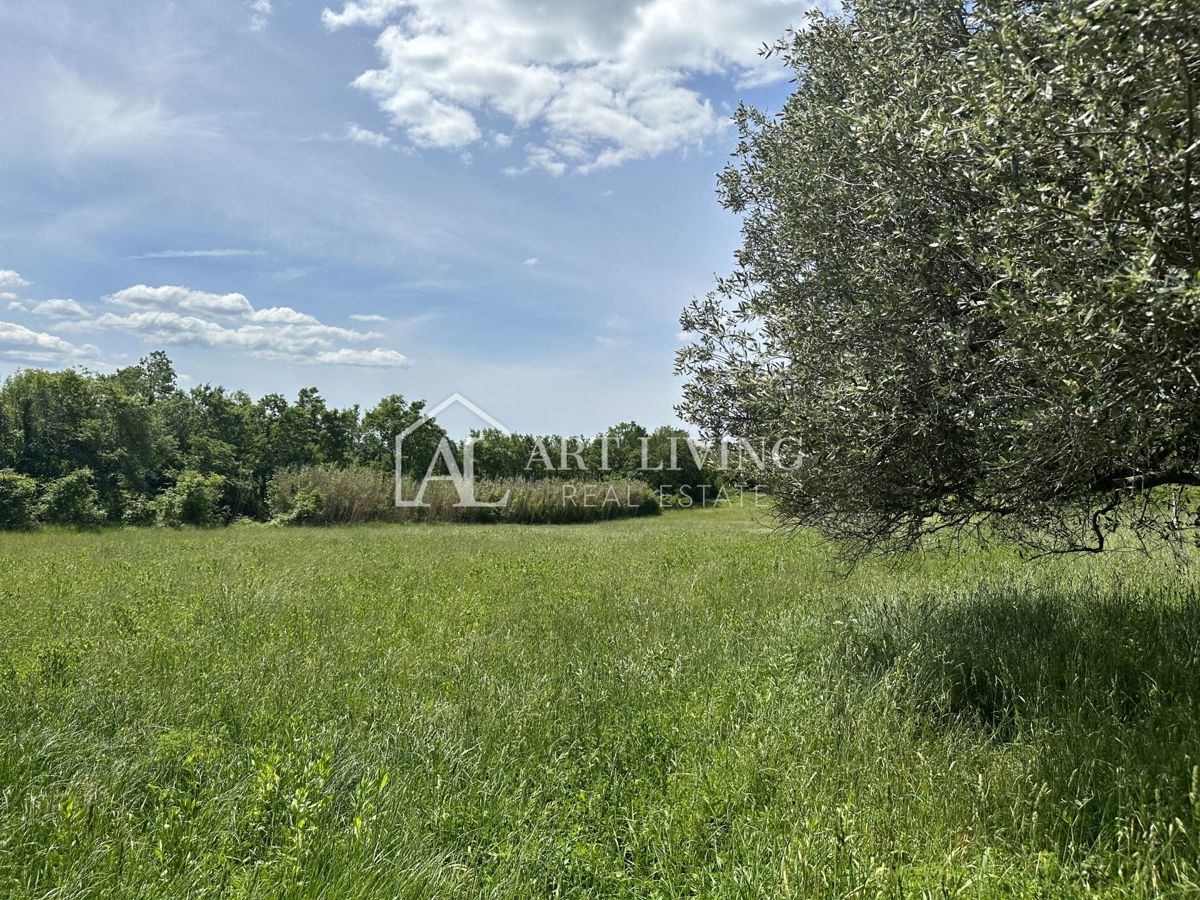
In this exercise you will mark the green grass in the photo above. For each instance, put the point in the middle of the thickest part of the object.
(670, 707)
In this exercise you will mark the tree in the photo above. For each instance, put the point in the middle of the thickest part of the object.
(224, 436)
(153, 377)
(969, 282)
(390, 417)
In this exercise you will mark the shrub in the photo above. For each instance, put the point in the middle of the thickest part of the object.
(72, 500)
(139, 510)
(16, 501)
(194, 500)
(307, 508)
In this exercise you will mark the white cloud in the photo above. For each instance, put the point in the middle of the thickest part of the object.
(531, 262)
(70, 116)
(368, 317)
(613, 342)
(39, 347)
(363, 12)
(542, 158)
(260, 14)
(617, 323)
(292, 274)
(171, 314)
(360, 135)
(180, 298)
(220, 253)
(376, 358)
(10, 279)
(601, 82)
(59, 309)
(615, 333)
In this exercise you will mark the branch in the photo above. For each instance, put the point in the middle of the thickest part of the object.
(1145, 481)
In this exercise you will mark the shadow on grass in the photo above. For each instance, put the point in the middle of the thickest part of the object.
(1094, 688)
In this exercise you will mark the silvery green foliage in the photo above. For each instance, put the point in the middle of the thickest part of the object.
(968, 281)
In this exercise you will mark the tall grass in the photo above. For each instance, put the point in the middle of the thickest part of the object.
(354, 496)
(684, 706)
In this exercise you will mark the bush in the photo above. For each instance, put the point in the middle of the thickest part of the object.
(16, 501)
(139, 510)
(194, 500)
(72, 500)
(307, 508)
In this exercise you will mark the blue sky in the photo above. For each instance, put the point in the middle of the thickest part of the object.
(504, 198)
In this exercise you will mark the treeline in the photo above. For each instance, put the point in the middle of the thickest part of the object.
(661, 458)
(133, 447)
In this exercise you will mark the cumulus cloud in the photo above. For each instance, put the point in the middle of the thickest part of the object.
(24, 344)
(260, 14)
(368, 317)
(601, 82)
(376, 358)
(171, 314)
(10, 279)
(359, 135)
(531, 262)
(59, 309)
(539, 158)
(173, 297)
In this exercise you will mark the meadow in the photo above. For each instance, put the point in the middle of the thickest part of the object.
(683, 705)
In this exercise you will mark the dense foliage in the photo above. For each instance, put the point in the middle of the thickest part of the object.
(969, 278)
(17, 494)
(682, 474)
(194, 499)
(72, 500)
(133, 447)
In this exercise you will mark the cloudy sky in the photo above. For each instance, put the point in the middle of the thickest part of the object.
(505, 198)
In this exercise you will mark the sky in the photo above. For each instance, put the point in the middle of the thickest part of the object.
(507, 199)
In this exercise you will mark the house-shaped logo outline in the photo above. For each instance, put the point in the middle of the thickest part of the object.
(455, 399)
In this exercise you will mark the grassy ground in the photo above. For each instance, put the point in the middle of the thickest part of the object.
(652, 708)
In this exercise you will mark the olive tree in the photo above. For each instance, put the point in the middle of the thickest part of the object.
(969, 282)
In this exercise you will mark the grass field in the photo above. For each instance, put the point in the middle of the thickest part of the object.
(679, 706)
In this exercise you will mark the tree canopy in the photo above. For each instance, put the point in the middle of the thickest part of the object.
(968, 283)
(132, 446)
